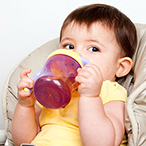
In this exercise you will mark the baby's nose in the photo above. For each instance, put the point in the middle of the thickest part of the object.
(78, 51)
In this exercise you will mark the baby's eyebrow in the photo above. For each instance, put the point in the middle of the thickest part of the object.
(96, 41)
(66, 39)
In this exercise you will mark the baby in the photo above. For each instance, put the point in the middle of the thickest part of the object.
(96, 112)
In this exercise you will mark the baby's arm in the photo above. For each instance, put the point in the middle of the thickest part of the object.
(99, 124)
(25, 119)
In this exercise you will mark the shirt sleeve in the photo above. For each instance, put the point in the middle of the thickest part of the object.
(112, 91)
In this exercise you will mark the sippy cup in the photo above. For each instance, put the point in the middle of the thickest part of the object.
(55, 82)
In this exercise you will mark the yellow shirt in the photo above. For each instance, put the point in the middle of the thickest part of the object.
(59, 127)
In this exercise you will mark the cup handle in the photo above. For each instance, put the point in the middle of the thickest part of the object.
(84, 61)
(34, 78)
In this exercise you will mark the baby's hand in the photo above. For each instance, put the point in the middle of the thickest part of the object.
(90, 80)
(26, 99)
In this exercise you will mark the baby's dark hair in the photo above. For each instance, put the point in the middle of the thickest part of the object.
(123, 27)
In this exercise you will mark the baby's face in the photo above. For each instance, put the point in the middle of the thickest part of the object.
(97, 44)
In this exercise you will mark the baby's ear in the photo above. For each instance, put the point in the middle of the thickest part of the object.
(124, 66)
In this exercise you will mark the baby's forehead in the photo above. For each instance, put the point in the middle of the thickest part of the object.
(105, 25)
(97, 30)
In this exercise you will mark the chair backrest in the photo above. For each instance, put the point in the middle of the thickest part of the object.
(135, 120)
(135, 104)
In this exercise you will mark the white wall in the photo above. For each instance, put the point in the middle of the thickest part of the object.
(25, 25)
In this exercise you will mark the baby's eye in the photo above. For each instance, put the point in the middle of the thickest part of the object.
(93, 49)
(69, 46)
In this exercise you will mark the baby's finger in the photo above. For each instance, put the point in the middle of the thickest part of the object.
(93, 68)
(25, 84)
(24, 73)
(80, 79)
(79, 69)
(23, 94)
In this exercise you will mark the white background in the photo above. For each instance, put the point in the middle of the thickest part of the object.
(26, 25)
